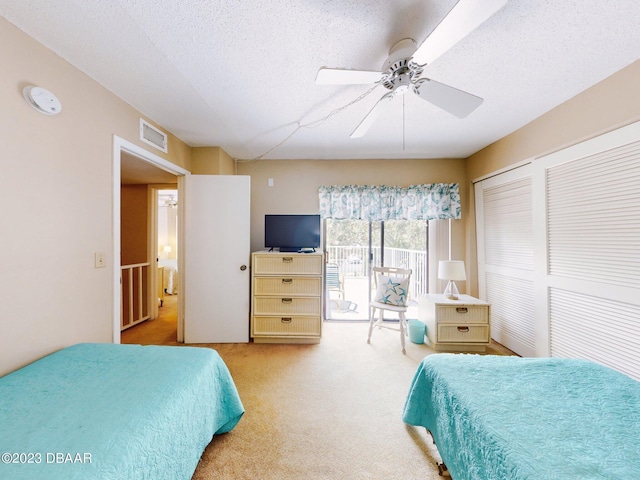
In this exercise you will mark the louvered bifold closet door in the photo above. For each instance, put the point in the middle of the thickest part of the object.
(505, 257)
(593, 242)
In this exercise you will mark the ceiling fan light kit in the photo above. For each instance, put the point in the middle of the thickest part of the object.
(402, 70)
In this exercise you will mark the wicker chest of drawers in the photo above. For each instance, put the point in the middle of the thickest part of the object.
(456, 325)
(286, 297)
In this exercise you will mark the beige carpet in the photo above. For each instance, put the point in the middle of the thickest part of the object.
(327, 411)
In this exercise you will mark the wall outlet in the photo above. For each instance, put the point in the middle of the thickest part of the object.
(100, 261)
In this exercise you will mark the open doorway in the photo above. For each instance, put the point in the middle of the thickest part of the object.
(149, 266)
(167, 242)
(163, 330)
(138, 177)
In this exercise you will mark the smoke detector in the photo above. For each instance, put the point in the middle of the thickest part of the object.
(42, 100)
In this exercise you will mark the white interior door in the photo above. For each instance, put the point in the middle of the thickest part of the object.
(216, 259)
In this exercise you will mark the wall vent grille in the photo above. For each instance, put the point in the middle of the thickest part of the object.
(152, 136)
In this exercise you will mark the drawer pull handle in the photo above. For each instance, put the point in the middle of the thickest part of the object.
(287, 259)
(463, 329)
(287, 280)
(462, 310)
(285, 320)
(287, 300)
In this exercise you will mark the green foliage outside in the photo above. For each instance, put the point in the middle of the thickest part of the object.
(404, 234)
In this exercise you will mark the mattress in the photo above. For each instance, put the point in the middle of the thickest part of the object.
(104, 411)
(497, 418)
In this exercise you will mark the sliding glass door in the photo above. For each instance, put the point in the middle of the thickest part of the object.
(347, 269)
(354, 246)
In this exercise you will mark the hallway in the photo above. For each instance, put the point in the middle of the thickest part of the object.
(160, 331)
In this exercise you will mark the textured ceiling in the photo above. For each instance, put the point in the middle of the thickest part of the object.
(240, 74)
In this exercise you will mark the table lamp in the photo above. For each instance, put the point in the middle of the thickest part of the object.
(451, 270)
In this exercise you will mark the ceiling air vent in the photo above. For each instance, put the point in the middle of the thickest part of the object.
(151, 135)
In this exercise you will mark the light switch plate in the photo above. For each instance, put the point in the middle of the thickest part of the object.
(100, 261)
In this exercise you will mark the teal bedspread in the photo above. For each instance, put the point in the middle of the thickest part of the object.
(511, 418)
(104, 411)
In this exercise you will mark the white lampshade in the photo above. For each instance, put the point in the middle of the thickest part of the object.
(166, 249)
(451, 270)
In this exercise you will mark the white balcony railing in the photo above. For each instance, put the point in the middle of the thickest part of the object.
(134, 306)
(352, 261)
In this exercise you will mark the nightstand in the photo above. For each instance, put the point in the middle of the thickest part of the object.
(456, 325)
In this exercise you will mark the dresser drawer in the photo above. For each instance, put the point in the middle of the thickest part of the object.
(296, 264)
(286, 326)
(283, 286)
(463, 333)
(286, 305)
(462, 314)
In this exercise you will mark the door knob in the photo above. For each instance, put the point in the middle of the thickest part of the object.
(243, 268)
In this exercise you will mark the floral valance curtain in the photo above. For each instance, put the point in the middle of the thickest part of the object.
(437, 201)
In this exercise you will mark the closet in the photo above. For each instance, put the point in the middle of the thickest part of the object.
(559, 252)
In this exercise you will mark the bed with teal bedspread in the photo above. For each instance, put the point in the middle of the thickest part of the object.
(104, 411)
(511, 418)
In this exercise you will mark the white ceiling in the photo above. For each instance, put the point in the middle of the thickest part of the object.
(240, 74)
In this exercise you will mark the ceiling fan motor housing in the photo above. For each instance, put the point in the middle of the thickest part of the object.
(399, 71)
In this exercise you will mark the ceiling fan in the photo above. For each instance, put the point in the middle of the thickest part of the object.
(403, 68)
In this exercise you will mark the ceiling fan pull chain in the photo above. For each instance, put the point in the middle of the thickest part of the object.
(403, 117)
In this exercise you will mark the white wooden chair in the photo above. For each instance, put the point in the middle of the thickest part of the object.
(392, 291)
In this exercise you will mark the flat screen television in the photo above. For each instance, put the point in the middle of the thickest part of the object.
(292, 233)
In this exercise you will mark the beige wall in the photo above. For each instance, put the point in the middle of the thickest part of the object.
(134, 200)
(211, 161)
(296, 182)
(57, 173)
(607, 105)
(610, 104)
(58, 185)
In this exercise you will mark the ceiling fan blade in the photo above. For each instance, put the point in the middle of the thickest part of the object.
(463, 18)
(343, 76)
(371, 117)
(447, 98)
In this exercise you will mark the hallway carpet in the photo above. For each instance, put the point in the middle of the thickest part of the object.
(160, 330)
